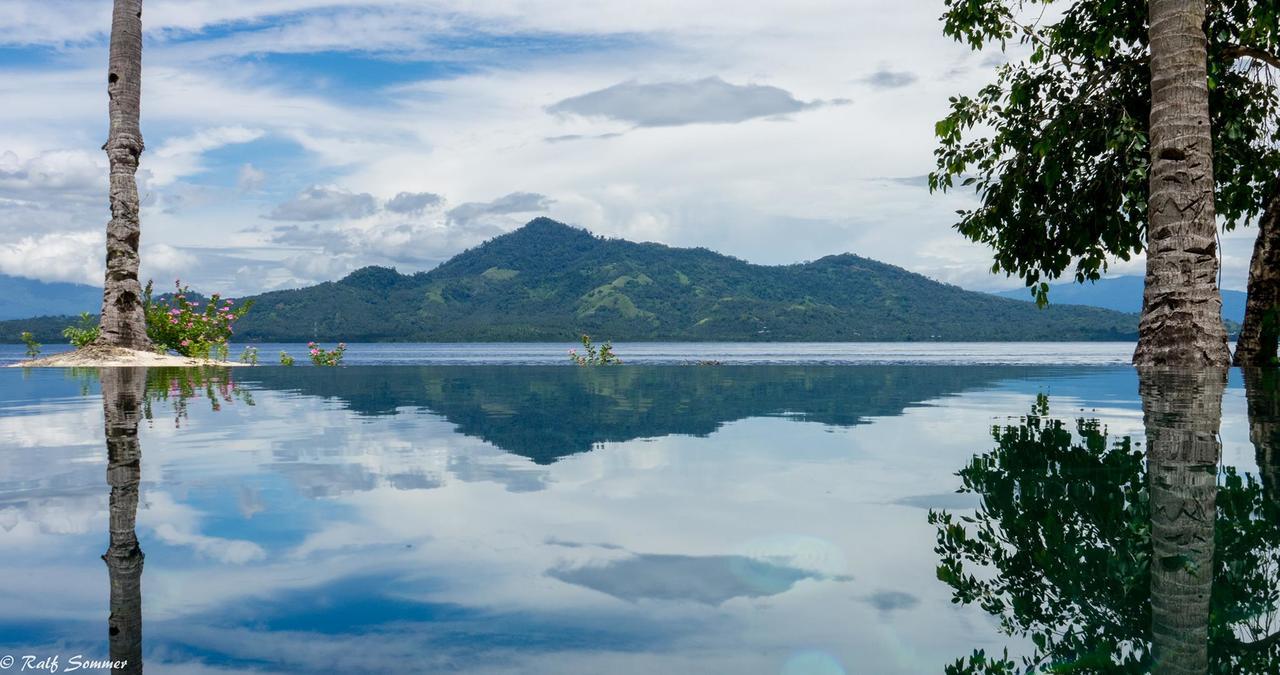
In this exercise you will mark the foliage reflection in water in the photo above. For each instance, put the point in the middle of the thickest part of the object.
(560, 520)
(1112, 560)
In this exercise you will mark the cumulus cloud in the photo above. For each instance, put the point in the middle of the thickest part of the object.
(250, 178)
(61, 174)
(413, 202)
(663, 104)
(320, 202)
(56, 256)
(516, 202)
(890, 79)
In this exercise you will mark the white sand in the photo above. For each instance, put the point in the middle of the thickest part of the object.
(95, 356)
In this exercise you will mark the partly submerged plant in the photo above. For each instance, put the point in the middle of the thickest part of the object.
(595, 356)
(285, 359)
(249, 356)
(326, 357)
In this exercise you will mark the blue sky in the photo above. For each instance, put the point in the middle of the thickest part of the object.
(280, 133)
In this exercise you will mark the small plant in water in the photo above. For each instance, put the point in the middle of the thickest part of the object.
(249, 356)
(33, 347)
(285, 359)
(594, 356)
(83, 333)
(326, 357)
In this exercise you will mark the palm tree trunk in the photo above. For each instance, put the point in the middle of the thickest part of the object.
(123, 323)
(1182, 413)
(1181, 321)
(1257, 343)
(122, 403)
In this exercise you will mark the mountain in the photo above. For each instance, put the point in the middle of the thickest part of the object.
(1122, 294)
(548, 281)
(21, 297)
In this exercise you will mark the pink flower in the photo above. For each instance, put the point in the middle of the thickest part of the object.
(186, 343)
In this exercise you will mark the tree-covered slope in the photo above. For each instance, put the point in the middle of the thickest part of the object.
(549, 281)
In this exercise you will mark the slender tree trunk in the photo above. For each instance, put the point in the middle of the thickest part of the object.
(1181, 413)
(123, 391)
(1258, 336)
(123, 323)
(1181, 321)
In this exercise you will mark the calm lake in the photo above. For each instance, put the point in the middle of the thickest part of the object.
(669, 353)
(643, 519)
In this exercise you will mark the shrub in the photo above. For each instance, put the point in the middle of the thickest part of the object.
(33, 347)
(326, 357)
(84, 333)
(285, 359)
(181, 325)
(602, 356)
(249, 356)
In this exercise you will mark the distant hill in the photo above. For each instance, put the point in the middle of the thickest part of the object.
(1122, 294)
(21, 297)
(548, 281)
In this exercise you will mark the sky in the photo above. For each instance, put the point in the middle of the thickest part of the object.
(292, 141)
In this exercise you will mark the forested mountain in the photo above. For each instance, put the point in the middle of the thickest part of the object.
(20, 297)
(549, 282)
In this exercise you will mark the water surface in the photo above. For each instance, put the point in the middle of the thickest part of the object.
(744, 519)
(669, 353)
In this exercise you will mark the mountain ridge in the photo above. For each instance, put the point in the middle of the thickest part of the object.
(548, 281)
(1122, 294)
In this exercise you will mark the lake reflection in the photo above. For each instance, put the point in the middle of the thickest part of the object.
(1112, 559)
(632, 520)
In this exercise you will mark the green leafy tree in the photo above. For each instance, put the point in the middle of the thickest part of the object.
(1056, 147)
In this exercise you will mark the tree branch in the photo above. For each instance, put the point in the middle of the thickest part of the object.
(1236, 52)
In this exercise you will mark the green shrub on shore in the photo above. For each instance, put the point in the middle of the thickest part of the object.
(184, 326)
(33, 347)
(83, 333)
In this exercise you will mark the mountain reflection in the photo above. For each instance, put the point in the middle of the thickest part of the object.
(1110, 560)
(546, 413)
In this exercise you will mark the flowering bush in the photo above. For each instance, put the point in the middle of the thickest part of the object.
(285, 359)
(84, 333)
(602, 356)
(326, 357)
(185, 327)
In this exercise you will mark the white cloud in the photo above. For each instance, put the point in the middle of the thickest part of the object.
(181, 156)
(58, 256)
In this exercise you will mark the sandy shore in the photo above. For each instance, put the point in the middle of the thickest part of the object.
(94, 357)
